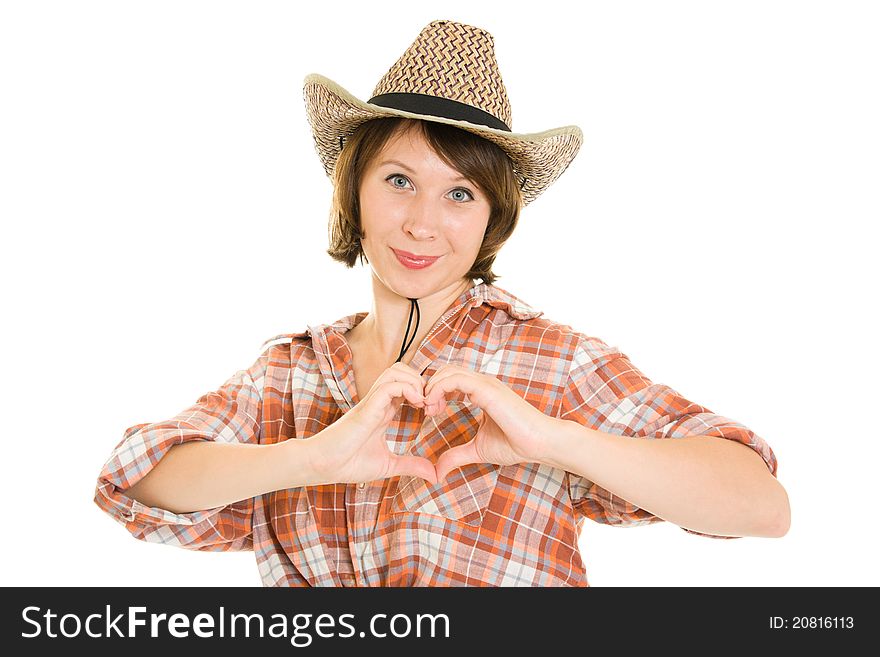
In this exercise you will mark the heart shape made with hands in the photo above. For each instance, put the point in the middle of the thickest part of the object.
(510, 429)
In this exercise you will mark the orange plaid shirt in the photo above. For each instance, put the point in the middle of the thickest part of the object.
(484, 526)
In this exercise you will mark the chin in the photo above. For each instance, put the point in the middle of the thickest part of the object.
(414, 285)
(412, 290)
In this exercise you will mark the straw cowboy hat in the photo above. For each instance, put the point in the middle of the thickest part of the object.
(448, 75)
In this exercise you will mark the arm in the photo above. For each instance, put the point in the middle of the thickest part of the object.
(195, 480)
(708, 484)
(180, 481)
(205, 474)
(631, 442)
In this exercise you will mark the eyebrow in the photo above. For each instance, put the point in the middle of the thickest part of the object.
(411, 170)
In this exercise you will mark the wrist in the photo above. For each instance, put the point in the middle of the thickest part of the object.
(562, 444)
(302, 462)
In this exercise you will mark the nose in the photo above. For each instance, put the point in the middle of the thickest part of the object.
(421, 221)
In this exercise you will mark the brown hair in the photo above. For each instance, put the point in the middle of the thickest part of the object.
(478, 160)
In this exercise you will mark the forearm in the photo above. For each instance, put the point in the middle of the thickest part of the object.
(200, 475)
(708, 484)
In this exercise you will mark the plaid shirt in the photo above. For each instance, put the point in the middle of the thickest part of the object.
(485, 525)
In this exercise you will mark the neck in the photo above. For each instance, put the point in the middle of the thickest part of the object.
(383, 329)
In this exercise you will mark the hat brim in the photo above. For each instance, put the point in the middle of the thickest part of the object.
(538, 158)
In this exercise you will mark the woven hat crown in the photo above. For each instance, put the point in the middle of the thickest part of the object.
(452, 61)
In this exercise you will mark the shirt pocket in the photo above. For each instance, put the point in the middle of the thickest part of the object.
(464, 495)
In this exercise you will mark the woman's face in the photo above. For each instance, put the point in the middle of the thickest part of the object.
(412, 201)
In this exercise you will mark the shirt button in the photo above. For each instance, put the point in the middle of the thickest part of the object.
(362, 484)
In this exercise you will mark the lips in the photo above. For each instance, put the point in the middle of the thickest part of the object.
(414, 261)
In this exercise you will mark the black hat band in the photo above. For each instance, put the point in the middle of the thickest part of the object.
(442, 107)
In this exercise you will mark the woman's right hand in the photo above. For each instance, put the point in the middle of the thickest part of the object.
(353, 449)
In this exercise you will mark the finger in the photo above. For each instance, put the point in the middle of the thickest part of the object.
(393, 391)
(440, 374)
(415, 466)
(383, 402)
(466, 383)
(403, 371)
(436, 389)
(456, 457)
(403, 374)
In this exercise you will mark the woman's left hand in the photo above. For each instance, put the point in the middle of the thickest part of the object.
(512, 430)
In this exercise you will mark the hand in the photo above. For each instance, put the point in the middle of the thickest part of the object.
(512, 430)
(353, 449)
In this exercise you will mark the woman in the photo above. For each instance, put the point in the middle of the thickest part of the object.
(461, 448)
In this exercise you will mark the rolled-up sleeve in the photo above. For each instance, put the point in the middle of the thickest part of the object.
(232, 413)
(607, 393)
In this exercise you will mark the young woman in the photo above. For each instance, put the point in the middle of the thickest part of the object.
(451, 435)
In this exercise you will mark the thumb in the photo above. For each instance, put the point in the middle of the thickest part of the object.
(455, 457)
(415, 466)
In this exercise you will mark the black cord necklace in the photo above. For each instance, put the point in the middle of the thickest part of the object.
(405, 346)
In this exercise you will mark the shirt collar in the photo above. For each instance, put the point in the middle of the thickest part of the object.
(504, 300)
(474, 296)
(482, 293)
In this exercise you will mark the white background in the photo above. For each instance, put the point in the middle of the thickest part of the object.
(164, 212)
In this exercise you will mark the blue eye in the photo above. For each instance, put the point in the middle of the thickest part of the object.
(399, 181)
(461, 195)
